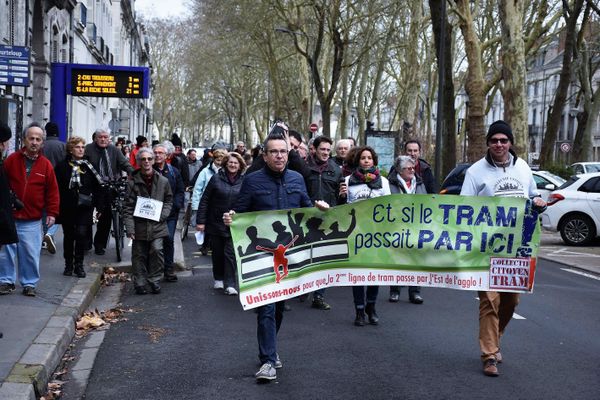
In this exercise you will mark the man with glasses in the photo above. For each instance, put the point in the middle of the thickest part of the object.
(109, 161)
(147, 222)
(499, 173)
(287, 190)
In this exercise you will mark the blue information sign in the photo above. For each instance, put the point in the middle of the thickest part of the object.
(14, 65)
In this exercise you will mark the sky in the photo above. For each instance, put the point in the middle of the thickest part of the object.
(161, 8)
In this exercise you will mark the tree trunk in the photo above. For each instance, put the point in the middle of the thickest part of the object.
(514, 72)
(548, 144)
(474, 85)
(449, 139)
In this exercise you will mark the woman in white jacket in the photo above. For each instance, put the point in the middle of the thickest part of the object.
(365, 182)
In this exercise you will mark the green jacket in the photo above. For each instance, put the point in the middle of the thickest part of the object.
(146, 229)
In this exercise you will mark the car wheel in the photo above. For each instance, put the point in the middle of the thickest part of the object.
(577, 230)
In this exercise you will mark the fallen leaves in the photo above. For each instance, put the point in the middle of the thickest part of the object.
(54, 390)
(95, 319)
(154, 332)
(112, 276)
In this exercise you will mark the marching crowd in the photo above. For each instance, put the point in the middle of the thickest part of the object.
(48, 182)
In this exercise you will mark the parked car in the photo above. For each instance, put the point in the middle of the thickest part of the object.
(574, 209)
(545, 181)
(585, 167)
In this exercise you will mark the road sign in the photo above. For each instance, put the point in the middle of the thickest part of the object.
(314, 128)
(565, 147)
(14, 65)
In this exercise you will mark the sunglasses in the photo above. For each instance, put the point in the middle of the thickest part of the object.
(494, 141)
(147, 158)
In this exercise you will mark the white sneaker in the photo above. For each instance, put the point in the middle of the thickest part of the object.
(218, 285)
(266, 372)
(231, 291)
(278, 363)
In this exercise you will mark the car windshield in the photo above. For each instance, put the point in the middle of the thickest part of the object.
(569, 182)
(592, 168)
(550, 175)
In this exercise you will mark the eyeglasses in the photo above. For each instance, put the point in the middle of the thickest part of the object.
(147, 158)
(274, 152)
(495, 140)
(409, 168)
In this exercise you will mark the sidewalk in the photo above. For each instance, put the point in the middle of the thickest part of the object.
(38, 330)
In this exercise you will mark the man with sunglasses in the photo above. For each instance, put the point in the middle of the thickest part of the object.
(499, 173)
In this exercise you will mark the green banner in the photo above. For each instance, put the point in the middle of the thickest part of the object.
(459, 242)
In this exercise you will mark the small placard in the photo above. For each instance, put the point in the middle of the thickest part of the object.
(148, 208)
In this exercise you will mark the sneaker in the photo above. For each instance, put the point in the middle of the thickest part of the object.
(7, 288)
(319, 304)
(218, 285)
(231, 291)
(266, 372)
(50, 245)
(490, 367)
(394, 297)
(278, 363)
(29, 291)
(498, 357)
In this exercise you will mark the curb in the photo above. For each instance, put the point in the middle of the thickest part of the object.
(566, 264)
(30, 375)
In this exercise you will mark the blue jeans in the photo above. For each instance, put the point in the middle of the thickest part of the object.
(268, 320)
(24, 255)
(50, 231)
(169, 243)
(359, 295)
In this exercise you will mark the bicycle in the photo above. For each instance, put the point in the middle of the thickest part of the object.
(118, 191)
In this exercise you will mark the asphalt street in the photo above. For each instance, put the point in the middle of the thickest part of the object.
(191, 342)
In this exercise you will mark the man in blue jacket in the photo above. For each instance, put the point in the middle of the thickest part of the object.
(274, 187)
(161, 153)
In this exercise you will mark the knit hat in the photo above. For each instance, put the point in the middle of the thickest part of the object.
(176, 140)
(51, 129)
(500, 127)
(140, 140)
(5, 132)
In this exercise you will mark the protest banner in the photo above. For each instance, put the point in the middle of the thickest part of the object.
(457, 242)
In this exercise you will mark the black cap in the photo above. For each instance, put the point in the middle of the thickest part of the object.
(176, 140)
(140, 140)
(5, 132)
(500, 127)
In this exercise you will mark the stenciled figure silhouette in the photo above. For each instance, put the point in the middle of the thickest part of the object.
(283, 236)
(252, 234)
(295, 226)
(279, 258)
(335, 228)
(314, 234)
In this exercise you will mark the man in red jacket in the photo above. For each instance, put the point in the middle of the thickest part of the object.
(32, 180)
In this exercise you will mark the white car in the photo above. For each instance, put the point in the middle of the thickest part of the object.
(546, 182)
(585, 167)
(574, 209)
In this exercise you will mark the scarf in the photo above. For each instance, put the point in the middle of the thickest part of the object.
(319, 166)
(33, 157)
(105, 165)
(369, 176)
(76, 172)
(408, 189)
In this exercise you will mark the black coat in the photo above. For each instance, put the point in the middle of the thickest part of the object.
(8, 230)
(219, 197)
(70, 212)
(324, 185)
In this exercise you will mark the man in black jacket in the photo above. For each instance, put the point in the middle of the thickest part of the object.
(109, 162)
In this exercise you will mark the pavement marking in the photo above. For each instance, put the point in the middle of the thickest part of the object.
(563, 252)
(582, 273)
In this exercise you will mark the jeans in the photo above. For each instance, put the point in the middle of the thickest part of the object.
(53, 229)
(24, 255)
(359, 295)
(268, 320)
(223, 261)
(169, 244)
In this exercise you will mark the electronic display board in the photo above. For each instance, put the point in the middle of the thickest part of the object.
(107, 83)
